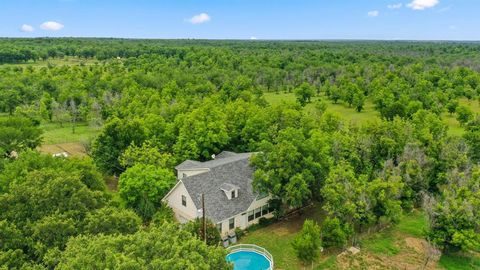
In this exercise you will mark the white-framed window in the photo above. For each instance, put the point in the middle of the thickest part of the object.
(251, 216)
(219, 227)
(258, 212)
(233, 194)
(184, 200)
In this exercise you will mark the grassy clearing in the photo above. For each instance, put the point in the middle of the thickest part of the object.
(413, 224)
(384, 243)
(56, 134)
(348, 113)
(389, 241)
(58, 138)
(369, 113)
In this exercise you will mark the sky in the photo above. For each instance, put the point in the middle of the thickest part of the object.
(243, 19)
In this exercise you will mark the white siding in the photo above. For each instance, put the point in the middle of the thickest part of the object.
(174, 200)
(241, 221)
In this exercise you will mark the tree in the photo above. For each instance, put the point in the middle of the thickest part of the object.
(143, 186)
(201, 133)
(358, 101)
(454, 218)
(304, 93)
(335, 233)
(464, 114)
(307, 243)
(165, 247)
(345, 196)
(111, 220)
(73, 114)
(17, 134)
(287, 169)
(452, 106)
(116, 136)
(147, 154)
(472, 137)
(195, 227)
(60, 113)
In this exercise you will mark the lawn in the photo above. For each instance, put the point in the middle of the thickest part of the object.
(277, 238)
(389, 241)
(58, 138)
(55, 134)
(369, 113)
(398, 245)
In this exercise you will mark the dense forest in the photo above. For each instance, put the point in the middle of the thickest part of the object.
(160, 102)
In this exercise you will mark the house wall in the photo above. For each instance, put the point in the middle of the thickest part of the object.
(241, 220)
(174, 200)
(185, 173)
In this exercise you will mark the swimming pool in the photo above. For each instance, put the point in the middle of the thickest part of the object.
(249, 260)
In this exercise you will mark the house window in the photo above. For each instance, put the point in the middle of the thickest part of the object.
(219, 227)
(231, 223)
(251, 216)
(258, 212)
(184, 200)
(233, 194)
(264, 210)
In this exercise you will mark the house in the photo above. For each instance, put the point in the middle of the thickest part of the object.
(226, 183)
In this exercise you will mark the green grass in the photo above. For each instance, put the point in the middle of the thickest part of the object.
(381, 243)
(413, 224)
(459, 262)
(55, 134)
(328, 263)
(387, 242)
(369, 113)
(348, 113)
(277, 238)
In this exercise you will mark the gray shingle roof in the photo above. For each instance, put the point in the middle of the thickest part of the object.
(232, 170)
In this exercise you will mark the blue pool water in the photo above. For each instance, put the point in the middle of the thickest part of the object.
(248, 260)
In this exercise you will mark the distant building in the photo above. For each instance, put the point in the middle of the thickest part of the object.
(226, 183)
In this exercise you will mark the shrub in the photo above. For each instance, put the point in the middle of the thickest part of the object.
(334, 233)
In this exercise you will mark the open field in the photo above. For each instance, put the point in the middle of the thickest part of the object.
(369, 113)
(58, 138)
(399, 247)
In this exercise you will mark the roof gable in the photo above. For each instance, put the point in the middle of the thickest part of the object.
(233, 171)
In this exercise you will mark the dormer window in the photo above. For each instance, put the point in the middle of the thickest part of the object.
(231, 191)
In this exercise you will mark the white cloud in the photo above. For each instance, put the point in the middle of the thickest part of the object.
(27, 28)
(52, 26)
(253, 38)
(395, 6)
(422, 4)
(373, 13)
(200, 18)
